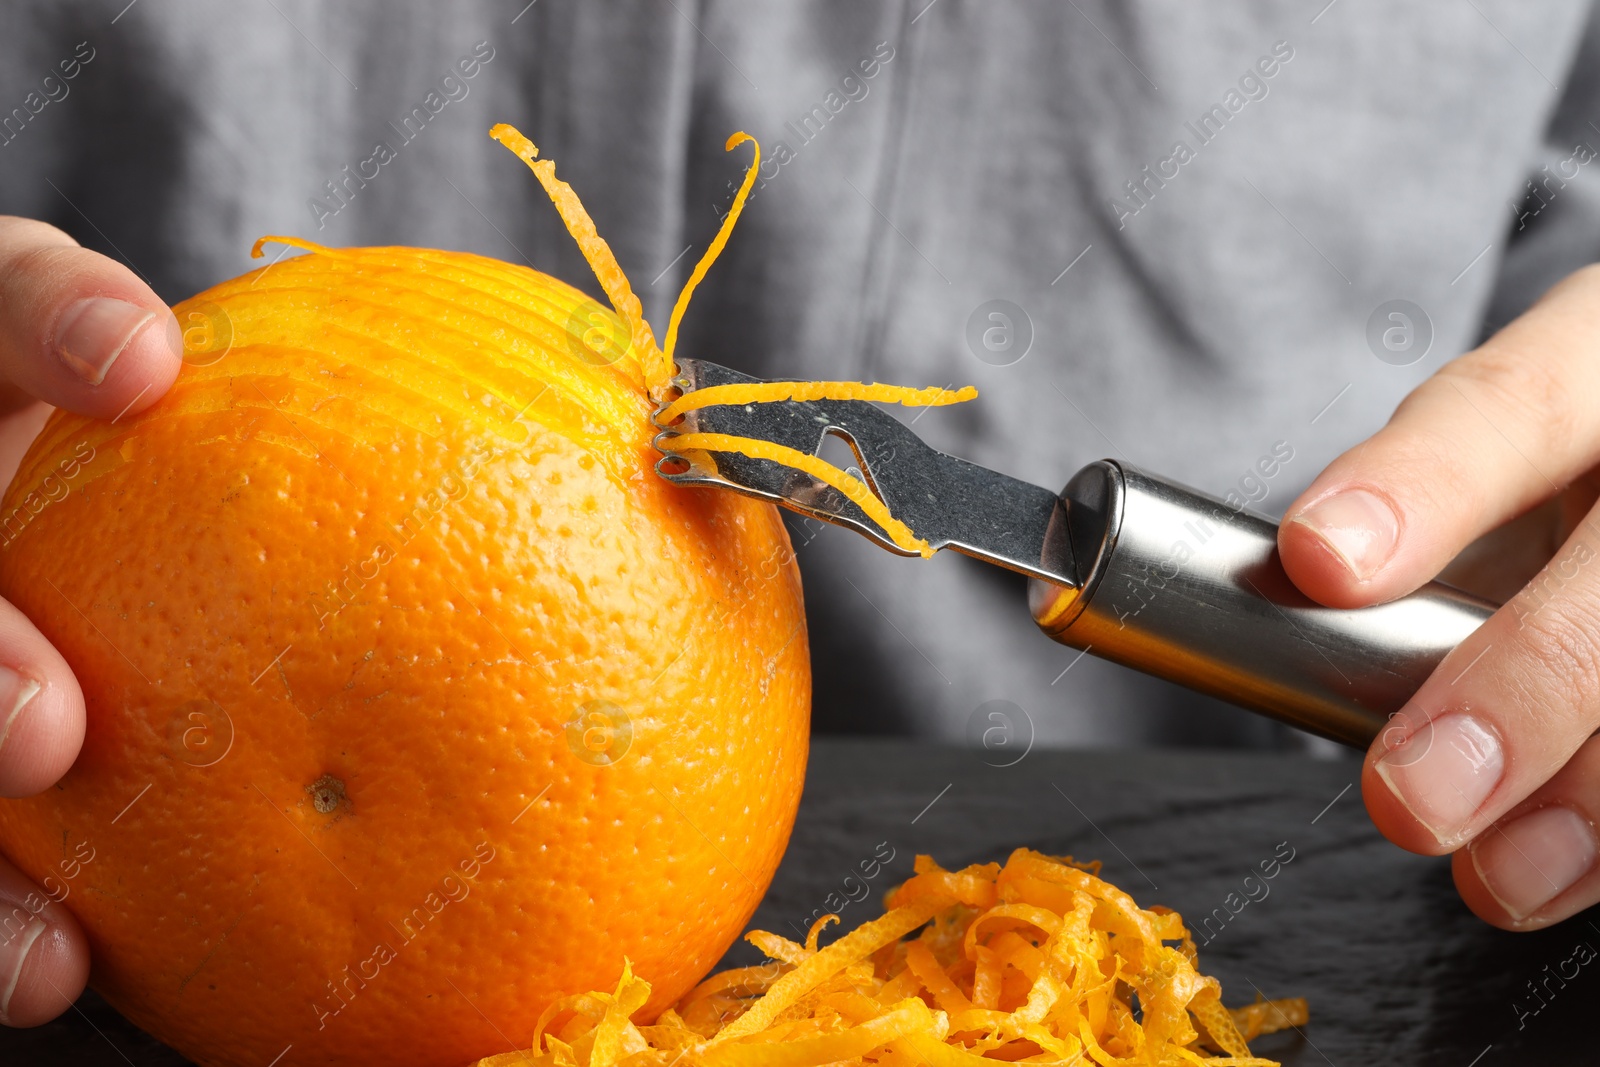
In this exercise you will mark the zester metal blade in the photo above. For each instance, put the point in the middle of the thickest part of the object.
(945, 500)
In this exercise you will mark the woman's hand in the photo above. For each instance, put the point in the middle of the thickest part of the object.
(1494, 759)
(78, 331)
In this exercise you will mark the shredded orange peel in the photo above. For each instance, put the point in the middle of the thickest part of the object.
(1038, 960)
(656, 363)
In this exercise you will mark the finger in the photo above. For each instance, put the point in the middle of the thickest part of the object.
(41, 708)
(1538, 865)
(1488, 437)
(44, 955)
(78, 330)
(1501, 714)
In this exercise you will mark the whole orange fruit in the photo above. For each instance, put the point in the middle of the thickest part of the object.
(416, 699)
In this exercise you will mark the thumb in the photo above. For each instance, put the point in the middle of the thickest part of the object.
(44, 955)
(78, 330)
(1488, 437)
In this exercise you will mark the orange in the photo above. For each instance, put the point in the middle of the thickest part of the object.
(416, 699)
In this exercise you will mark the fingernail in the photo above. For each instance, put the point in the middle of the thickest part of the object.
(14, 947)
(1530, 861)
(17, 690)
(1357, 526)
(1443, 772)
(93, 332)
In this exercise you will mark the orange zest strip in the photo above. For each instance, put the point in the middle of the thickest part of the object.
(1270, 1016)
(611, 1036)
(734, 982)
(921, 963)
(859, 943)
(717, 243)
(815, 933)
(841, 1046)
(820, 469)
(657, 369)
(1038, 961)
(292, 242)
(766, 392)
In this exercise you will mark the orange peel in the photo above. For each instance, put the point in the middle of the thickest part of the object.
(767, 392)
(1038, 960)
(718, 243)
(595, 250)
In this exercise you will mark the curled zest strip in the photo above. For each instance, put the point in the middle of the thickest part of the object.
(820, 469)
(857, 944)
(717, 243)
(292, 242)
(767, 392)
(595, 250)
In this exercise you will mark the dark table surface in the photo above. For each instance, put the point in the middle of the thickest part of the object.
(1396, 970)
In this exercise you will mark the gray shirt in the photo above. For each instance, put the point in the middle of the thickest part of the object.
(1193, 212)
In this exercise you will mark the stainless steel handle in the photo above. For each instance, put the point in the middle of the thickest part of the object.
(1183, 586)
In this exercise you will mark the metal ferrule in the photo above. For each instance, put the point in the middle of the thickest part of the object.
(1185, 587)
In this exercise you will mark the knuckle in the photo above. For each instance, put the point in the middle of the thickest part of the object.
(1430, 472)
(1561, 644)
(52, 261)
(1448, 481)
(1528, 398)
(18, 231)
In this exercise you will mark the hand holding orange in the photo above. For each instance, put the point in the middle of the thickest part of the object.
(415, 698)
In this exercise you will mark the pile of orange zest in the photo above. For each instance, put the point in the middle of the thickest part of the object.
(818, 468)
(766, 392)
(656, 363)
(1036, 961)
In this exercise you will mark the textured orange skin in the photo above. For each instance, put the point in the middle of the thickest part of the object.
(478, 868)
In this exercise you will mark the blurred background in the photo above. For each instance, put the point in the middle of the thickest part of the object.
(1169, 233)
